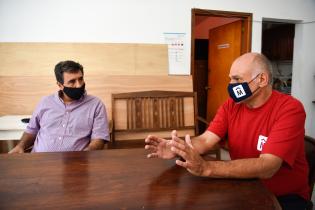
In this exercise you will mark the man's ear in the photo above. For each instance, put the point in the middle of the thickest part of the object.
(263, 79)
(60, 85)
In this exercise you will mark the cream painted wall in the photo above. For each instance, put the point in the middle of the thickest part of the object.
(145, 21)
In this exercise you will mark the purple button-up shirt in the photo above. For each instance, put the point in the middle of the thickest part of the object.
(67, 127)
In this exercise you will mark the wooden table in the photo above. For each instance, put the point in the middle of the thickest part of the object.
(120, 180)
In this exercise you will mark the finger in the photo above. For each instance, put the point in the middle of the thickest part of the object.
(151, 138)
(179, 145)
(179, 152)
(181, 163)
(188, 141)
(151, 148)
(173, 133)
(177, 139)
(152, 155)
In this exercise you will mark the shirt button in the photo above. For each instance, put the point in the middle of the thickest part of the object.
(59, 137)
(63, 125)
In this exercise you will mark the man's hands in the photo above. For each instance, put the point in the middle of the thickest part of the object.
(160, 148)
(194, 163)
(168, 149)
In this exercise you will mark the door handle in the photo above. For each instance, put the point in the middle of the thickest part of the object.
(207, 87)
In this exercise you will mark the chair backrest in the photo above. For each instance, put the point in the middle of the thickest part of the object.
(136, 114)
(310, 156)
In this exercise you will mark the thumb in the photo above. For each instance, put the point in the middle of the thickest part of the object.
(188, 141)
(174, 134)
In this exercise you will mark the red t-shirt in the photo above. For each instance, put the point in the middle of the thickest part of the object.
(277, 128)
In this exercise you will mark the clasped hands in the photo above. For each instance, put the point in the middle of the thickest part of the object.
(168, 149)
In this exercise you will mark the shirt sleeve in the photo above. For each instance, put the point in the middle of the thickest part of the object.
(287, 134)
(219, 124)
(100, 123)
(34, 123)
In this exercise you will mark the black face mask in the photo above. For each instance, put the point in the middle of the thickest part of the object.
(74, 93)
(241, 91)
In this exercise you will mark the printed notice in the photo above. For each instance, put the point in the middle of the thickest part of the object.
(176, 52)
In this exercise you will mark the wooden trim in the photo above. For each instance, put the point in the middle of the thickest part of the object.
(135, 130)
(216, 13)
(152, 93)
(221, 13)
(196, 114)
(192, 55)
(121, 144)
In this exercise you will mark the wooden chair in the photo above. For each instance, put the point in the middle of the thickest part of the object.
(310, 157)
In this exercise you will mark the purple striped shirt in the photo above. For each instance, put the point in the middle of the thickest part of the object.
(67, 127)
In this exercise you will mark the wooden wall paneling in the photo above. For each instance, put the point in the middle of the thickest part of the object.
(20, 94)
(151, 59)
(39, 59)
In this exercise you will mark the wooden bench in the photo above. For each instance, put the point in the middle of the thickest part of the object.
(137, 114)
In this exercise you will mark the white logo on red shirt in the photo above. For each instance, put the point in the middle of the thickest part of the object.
(261, 141)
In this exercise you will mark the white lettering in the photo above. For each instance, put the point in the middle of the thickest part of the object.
(261, 141)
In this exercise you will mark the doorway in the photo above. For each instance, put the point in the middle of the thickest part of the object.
(217, 38)
(277, 46)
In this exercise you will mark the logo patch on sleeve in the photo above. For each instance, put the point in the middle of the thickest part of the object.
(261, 141)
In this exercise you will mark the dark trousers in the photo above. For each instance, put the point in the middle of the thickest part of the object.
(292, 202)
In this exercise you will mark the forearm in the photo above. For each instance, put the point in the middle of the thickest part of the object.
(205, 142)
(95, 144)
(26, 140)
(242, 168)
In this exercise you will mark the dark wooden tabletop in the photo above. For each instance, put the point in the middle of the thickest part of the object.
(118, 179)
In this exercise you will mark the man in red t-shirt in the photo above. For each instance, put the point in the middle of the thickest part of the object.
(265, 131)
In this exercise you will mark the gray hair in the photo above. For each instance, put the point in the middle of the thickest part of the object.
(262, 64)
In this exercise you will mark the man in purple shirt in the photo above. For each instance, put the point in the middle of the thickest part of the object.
(69, 120)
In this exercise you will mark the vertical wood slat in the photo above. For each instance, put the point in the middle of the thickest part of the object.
(167, 116)
(138, 113)
(155, 113)
(144, 109)
(182, 120)
(172, 112)
(128, 114)
(163, 113)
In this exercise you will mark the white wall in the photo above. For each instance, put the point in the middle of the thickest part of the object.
(145, 21)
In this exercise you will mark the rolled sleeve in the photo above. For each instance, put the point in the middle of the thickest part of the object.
(100, 124)
(34, 126)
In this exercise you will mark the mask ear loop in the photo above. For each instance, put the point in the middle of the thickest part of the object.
(253, 80)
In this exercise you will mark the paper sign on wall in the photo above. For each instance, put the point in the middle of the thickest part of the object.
(176, 52)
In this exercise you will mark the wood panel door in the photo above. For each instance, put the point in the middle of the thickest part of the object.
(225, 45)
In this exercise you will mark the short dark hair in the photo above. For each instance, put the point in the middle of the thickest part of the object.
(66, 66)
